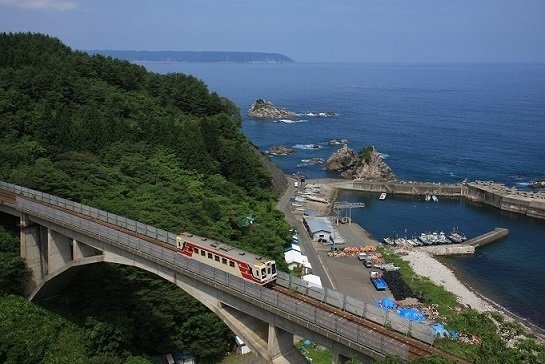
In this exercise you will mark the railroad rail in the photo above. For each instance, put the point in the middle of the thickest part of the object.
(416, 348)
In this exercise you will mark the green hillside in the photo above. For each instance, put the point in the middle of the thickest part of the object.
(161, 149)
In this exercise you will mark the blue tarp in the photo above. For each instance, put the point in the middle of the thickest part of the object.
(387, 304)
(439, 330)
(411, 314)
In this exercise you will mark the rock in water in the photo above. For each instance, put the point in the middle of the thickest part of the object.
(343, 160)
(280, 150)
(264, 110)
(367, 164)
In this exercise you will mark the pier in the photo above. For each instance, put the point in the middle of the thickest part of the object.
(489, 237)
(469, 246)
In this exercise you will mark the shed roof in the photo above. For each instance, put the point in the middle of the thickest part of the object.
(319, 224)
(293, 256)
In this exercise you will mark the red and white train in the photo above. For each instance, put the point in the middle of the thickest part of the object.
(243, 264)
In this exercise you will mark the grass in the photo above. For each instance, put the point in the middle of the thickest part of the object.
(445, 301)
(317, 354)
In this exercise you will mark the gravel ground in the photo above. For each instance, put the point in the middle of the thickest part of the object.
(425, 265)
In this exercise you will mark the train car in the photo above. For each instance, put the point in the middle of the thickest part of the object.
(243, 264)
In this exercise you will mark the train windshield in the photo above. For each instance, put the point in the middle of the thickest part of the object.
(273, 266)
(263, 273)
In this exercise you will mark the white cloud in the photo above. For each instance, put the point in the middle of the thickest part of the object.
(54, 5)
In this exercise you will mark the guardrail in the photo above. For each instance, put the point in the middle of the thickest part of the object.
(368, 310)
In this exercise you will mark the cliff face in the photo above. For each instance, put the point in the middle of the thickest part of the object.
(264, 110)
(367, 165)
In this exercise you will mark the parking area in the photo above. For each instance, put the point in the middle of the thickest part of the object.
(348, 274)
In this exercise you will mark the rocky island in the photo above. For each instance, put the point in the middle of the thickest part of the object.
(280, 150)
(366, 164)
(265, 110)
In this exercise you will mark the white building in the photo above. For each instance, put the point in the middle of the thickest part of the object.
(313, 280)
(241, 346)
(295, 259)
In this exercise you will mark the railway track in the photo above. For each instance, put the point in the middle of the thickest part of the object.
(416, 348)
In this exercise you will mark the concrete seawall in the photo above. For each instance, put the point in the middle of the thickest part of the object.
(499, 196)
(489, 237)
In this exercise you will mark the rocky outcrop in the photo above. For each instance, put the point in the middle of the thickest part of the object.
(265, 110)
(367, 164)
(280, 150)
(343, 160)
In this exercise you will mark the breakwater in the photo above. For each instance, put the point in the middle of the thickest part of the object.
(469, 246)
(487, 192)
(489, 237)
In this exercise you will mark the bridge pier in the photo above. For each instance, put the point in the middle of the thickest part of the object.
(32, 251)
(80, 250)
(280, 344)
(59, 251)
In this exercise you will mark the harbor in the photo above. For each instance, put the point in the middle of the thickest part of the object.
(452, 244)
(349, 273)
(510, 199)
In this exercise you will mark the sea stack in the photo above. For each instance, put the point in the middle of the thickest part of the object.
(265, 110)
(366, 164)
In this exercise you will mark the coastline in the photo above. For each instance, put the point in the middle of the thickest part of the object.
(426, 265)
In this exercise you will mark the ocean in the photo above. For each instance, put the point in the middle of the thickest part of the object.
(432, 122)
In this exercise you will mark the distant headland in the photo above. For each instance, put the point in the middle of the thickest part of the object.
(197, 57)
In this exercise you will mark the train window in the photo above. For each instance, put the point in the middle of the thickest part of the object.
(209, 255)
(263, 273)
(223, 261)
(274, 269)
(196, 250)
(203, 253)
(231, 264)
(269, 270)
(216, 258)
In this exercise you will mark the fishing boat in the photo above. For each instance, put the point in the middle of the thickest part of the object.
(382, 196)
(457, 237)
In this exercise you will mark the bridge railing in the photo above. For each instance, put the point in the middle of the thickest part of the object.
(94, 213)
(304, 311)
(367, 310)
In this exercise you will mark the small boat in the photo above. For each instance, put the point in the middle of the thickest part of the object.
(382, 196)
(434, 198)
(457, 237)
(428, 197)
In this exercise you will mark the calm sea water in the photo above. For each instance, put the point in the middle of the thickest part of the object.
(441, 123)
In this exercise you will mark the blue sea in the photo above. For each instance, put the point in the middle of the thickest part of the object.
(432, 122)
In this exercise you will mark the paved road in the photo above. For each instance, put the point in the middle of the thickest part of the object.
(307, 247)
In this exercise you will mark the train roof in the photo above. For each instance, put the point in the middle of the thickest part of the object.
(224, 249)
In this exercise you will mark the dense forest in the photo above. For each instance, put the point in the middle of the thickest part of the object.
(161, 149)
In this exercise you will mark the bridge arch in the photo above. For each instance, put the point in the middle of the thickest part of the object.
(254, 332)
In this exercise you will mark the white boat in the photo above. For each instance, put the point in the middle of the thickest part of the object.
(434, 198)
(428, 197)
(382, 196)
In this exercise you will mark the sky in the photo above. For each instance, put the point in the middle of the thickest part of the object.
(393, 31)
